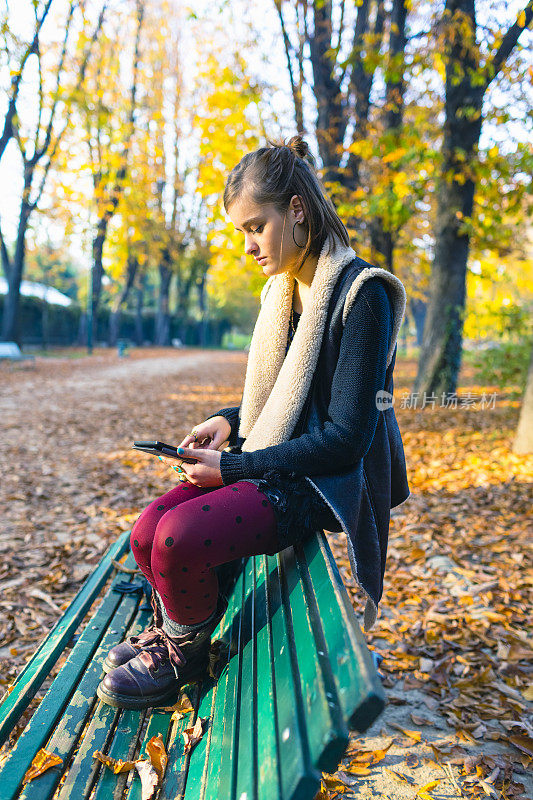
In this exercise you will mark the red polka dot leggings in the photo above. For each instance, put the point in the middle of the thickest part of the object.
(181, 536)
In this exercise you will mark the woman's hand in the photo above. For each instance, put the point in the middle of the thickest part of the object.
(210, 435)
(206, 470)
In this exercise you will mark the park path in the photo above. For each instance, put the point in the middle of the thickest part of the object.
(69, 482)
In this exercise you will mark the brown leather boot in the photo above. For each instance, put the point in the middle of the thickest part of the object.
(155, 676)
(132, 646)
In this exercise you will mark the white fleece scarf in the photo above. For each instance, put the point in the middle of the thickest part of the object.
(276, 386)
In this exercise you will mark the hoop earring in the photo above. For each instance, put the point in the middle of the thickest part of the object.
(294, 240)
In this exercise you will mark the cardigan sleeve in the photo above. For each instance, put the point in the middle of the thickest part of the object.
(352, 418)
(231, 413)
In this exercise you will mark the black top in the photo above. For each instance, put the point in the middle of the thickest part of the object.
(290, 335)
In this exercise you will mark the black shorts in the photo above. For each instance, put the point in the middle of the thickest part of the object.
(299, 510)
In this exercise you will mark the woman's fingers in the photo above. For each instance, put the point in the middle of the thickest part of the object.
(204, 442)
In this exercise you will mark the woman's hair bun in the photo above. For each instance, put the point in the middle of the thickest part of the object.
(298, 145)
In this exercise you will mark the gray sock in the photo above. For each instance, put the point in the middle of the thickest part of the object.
(174, 628)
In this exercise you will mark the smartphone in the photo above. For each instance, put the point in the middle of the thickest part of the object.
(162, 449)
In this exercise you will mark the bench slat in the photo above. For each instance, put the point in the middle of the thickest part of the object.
(359, 688)
(269, 772)
(298, 778)
(178, 761)
(214, 703)
(246, 755)
(39, 666)
(158, 722)
(123, 746)
(82, 704)
(83, 772)
(327, 733)
(205, 778)
(226, 776)
(204, 699)
(84, 769)
(332, 638)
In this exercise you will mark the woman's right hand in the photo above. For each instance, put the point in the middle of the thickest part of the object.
(210, 435)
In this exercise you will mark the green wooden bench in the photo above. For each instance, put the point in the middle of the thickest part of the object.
(296, 676)
(10, 351)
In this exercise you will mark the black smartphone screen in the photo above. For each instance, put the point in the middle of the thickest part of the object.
(161, 449)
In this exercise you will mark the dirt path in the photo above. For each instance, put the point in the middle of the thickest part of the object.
(69, 483)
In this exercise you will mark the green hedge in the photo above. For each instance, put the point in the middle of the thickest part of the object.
(63, 326)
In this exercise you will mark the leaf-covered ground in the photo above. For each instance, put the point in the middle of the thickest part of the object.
(453, 625)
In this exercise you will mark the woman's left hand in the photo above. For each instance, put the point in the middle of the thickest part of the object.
(206, 470)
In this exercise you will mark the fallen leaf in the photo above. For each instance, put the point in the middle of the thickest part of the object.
(157, 754)
(42, 761)
(114, 764)
(194, 734)
(420, 720)
(424, 790)
(401, 776)
(45, 597)
(362, 758)
(180, 708)
(415, 735)
(121, 568)
(149, 779)
(527, 694)
(489, 790)
(524, 743)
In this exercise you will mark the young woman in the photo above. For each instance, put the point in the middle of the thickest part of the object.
(314, 444)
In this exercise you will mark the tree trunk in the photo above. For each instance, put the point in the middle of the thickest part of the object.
(202, 303)
(331, 119)
(10, 332)
(44, 323)
(114, 326)
(523, 442)
(440, 356)
(381, 245)
(466, 84)
(110, 206)
(162, 324)
(139, 335)
(97, 268)
(418, 310)
(382, 241)
(82, 329)
(114, 317)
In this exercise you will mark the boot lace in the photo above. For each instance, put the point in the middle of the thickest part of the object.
(162, 648)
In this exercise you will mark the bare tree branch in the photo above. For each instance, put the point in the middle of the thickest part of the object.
(496, 61)
(121, 173)
(340, 32)
(296, 94)
(40, 151)
(7, 132)
(41, 94)
(360, 28)
(79, 84)
(6, 262)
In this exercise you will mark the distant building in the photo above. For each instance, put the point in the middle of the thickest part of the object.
(31, 289)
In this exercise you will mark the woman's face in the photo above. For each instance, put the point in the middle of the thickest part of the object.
(268, 234)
